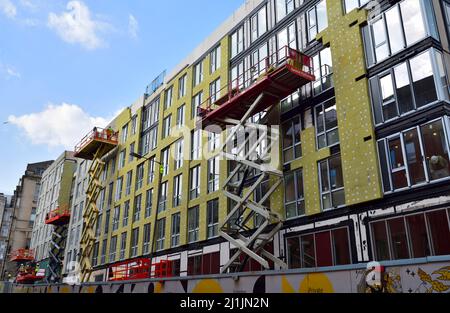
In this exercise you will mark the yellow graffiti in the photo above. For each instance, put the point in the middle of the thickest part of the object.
(159, 288)
(208, 286)
(436, 285)
(316, 283)
(444, 272)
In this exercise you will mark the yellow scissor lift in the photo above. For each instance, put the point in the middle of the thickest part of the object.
(93, 147)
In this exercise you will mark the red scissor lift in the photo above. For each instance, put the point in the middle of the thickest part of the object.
(256, 90)
(58, 217)
(89, 145)
(130, 270)
(26, 273)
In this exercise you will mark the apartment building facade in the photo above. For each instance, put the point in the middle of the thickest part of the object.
(363, 148)
(48, 241)
(78, 201)
(5, 223)
(23, 214)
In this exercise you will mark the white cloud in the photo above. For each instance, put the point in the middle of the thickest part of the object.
(8, 8)
(8, 71)
(29, 4)
(77, 26)
(133, 26)
(58, 125)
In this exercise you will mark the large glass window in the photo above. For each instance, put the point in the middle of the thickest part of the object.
(411, 236)
(331, 183)
(415, 156)
(134, 242)
(180, 116)
(194, 183)
(317, 19)
(168, 98)
(323, 71)
(212, 218)
(177, 190)
(182, 84)
(292, 143)
(162, 205)
(149, 136)
(123, 245)
(399, 27)
(146, 245)
(137, 208)
(283, 7)
(160, 234)
(126, 213)
(408, 86)
(196, 137)
(113, 249)
(213, 174)
(258, 23)
(197, 100)
(167, 124)
(294, 200)
(327, 124)
(193, 224)
(237, 41)
(175, 236)
(353, 4)
(178, 150)
(215, 59)
(198, 73)
(320, 249)
(139, 176)
(148, 203)
(214, 90)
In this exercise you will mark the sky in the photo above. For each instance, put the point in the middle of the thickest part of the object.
(66, 66)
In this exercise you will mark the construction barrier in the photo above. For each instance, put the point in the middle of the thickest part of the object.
(411, 276)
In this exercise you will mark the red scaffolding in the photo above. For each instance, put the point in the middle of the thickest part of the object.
(163, 269)
(276, 77)
(58, 217)
(89, 145)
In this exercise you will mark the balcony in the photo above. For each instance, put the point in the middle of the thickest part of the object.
(58, 217)
(22, 255)
(97, 138)
(274, 77)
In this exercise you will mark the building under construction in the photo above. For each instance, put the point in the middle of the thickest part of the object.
(303, 136)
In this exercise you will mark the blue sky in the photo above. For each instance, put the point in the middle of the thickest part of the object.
(66, 65)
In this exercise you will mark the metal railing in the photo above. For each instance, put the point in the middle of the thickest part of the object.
(98, 134)
(284, 56)
(22, 254)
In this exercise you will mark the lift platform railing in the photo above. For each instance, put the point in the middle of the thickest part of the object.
(131, 270)
(58, 212)
(98, 134)
(22, 255)
(293, 59)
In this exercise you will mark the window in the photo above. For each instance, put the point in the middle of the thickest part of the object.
(162, 205)
(178, 146)
(215, 59)
(353, 4)
(107, 220)
(104, 248)
(326, 124)
(416, 156)
(258, 23)
(320, 249)
(132, 150)
(113, 249)
(408, 86)
(151, 170)
(196, 137)
(180, 116)
(123, 245)
(237, 41)
(137, 208)
(168, 98)
(166, 126)
(213, 174)
(149, 136)
(294, 200)
(331, 183)
(411, 236)
(160, 234)
(148, 203)
(95, 254)
(317, 19)
(126, 213)
(182, 86)
(292, 144)
(134, 242)
(197, 100)
(175, 237)
(146, 245)
(193, 224)
(198, 73)
(165, 161)
(323, 71)
(134, 125)
(194, 183)
(212, 218)
(177, 190)
(119, 189)
(122, 158)
(283, 7)
(149, 140)
(116, 218)
(98, 228)
(128, 183)
(214, 90)
(213, 141)
(237, 76)
(397, 28)
(139, 176)
(124, 133)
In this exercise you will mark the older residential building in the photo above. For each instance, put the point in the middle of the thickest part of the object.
(23, 214)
